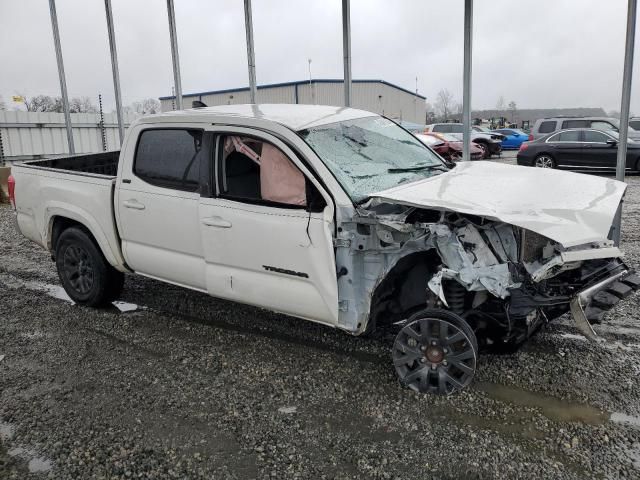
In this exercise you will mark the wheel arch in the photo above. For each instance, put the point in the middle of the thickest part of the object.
(61, 219)
(403, 289)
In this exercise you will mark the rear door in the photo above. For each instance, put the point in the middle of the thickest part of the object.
(267, 233)
(157, 204)
(566, 147)
(596, 152)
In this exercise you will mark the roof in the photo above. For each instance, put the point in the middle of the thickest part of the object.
(294, 116)
(290, 84)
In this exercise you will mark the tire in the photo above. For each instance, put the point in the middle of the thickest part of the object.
(84, 273)
(435, 352)
(485, 149)
(544, 160)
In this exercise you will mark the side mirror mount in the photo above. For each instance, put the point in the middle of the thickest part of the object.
(612, 143)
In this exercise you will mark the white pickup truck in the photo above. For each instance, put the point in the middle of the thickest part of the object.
(338, 216)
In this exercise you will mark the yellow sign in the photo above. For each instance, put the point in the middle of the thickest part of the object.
(18, 99)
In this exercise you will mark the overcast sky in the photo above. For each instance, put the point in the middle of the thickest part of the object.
(547, 53)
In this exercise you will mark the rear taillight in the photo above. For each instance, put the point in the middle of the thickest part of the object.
(530, 138)
(523, 146)
(12, 190)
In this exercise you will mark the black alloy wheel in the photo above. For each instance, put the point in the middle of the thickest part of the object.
(435, 352)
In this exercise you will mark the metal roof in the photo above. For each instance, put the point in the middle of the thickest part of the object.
(290, 84)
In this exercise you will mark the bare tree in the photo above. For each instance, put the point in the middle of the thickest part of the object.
(512, 108)
(444, 103)
(500, 104)
(144, 107)
(82, 105)
(150, 105)
(42, 103)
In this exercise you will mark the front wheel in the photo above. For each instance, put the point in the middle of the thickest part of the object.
(85, 274)
(435, 352)
(544, 161)
(485, 149)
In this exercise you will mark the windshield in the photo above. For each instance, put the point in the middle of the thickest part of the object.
(370, 154)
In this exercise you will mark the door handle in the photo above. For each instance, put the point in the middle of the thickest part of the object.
(216, 222)
(136, 205)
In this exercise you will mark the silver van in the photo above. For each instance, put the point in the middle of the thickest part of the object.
(545, 126)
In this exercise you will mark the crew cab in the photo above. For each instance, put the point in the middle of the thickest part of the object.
(337, 216)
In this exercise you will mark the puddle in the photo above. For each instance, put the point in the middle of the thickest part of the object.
(59, 293)
(288, 410)
(551, 407)
(623, 418)
(572, 336)
(6, 431)
(35, 464)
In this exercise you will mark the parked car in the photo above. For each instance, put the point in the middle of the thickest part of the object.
(545, 126)
(490, 143)
(337, 216)
(634, 122)
(449, 146)
(513, 138)
(578, 149)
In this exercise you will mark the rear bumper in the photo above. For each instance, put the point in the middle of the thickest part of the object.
(590, 305)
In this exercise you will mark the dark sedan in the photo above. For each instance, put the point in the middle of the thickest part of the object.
(578, 149)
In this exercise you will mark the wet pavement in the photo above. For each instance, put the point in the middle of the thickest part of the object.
(168, 383)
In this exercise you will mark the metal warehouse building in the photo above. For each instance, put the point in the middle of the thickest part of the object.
(373, 95)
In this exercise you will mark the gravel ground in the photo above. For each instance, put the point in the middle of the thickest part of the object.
(187, 386)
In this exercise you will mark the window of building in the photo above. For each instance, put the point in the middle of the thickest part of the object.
(169, 158)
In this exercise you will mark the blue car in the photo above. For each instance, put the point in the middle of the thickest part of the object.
(513, 138)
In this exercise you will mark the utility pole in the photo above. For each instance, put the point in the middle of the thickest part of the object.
(251, 57)
(114, 68)
(346, 48)
(63, 80)
(175, 59)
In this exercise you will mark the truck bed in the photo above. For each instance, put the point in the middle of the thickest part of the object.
(94, 163)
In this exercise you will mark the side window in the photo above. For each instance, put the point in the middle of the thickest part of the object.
(635, 124)
(593, 136)
(604, 126)
(256, 171)
(547, 127)
(571, 136)
(575, 124)
(439, 128)
(169, 158)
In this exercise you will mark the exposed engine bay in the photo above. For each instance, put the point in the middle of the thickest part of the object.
(504, 281)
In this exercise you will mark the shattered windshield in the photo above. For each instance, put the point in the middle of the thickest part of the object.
(371, 154)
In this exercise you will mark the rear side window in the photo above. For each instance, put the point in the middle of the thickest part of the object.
(571, 136)
(547, 127)
(605, 126)
(576, 124)
(442, 128)
(169, 158)
(635, 124)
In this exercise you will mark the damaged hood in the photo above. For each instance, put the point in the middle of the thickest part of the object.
(570, 208)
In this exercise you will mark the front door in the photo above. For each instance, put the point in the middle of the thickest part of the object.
(596, 152)
(158, 203)
(566, 147)
(267, 234)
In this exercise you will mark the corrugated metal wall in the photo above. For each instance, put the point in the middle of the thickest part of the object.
(375, 97)
(27, 135)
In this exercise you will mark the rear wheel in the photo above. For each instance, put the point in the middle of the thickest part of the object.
(435, 352)
(85, 274)
(544, 161)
